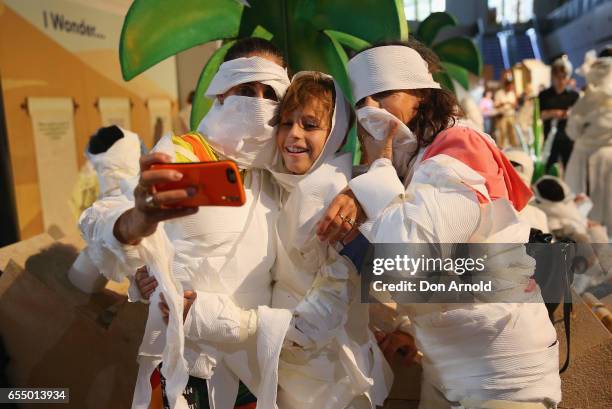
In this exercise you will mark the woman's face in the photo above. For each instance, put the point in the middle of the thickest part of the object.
(254, 89)
(301, 136)
(399, 103)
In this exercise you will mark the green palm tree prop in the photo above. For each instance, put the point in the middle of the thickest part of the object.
(458, 55)
(312, 34)
(538, 140)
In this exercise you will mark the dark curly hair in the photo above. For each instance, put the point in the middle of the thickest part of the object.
(438, 108)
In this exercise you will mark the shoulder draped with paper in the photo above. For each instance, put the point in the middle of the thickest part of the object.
(432, 179)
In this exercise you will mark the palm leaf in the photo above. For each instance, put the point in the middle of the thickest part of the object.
(431, 26)
(201, 104)
(339, 39)
(457, 73)
(261, 32)
(370, 20)
(462, 52)
(154, 30)
(444, 80)
(347, 40)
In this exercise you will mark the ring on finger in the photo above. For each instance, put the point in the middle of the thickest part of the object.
(348, 220)
(150, 202)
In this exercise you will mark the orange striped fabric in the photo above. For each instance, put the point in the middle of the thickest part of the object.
(198, 148)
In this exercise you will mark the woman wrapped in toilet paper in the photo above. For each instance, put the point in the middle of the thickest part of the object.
(330, 358)
(523, 164)
(434, 181)
(225, 252)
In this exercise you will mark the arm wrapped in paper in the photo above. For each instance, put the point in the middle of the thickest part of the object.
(216, 318)
(324, 309)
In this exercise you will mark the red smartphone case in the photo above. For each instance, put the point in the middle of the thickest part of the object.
(217, 183)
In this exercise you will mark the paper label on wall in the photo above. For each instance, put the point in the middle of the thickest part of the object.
(160, 114)
(115, 111)
(56, 162)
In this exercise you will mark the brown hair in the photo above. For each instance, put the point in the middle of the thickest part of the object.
(254, 45)
(558, 69)
(308, 88)
(438, 108)
(314, 87)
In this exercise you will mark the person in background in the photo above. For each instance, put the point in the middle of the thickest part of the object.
(473, 116)
(524, 115)
(185, 115)
(568, 217)
(487, 107)
(523, 164)
(589, 125)
(469, 99)
(567, 213)
(555, 103)
(113, 155)
(505, 104)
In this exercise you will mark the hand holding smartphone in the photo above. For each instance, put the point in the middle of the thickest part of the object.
(217, 183)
